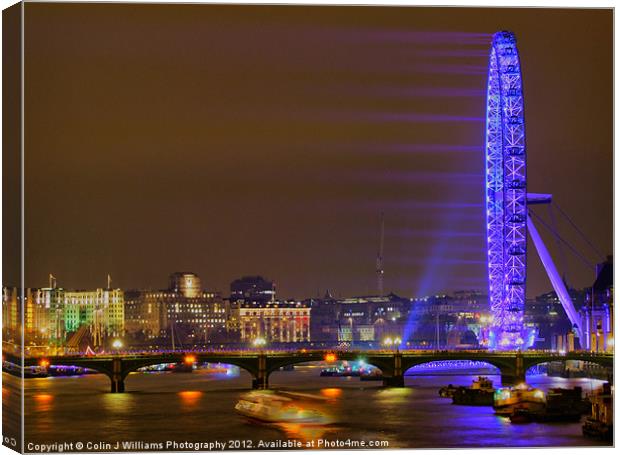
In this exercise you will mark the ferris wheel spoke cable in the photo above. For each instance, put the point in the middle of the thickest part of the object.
(558, 237)
(583, 236)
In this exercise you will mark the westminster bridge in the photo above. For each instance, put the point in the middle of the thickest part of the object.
(260, 364)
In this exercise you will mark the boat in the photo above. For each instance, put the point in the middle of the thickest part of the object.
(372, 375)
(331, 372)
(522, 396)
(520, 415)
(26, 372)
(600, 423)
(447, 391)
(480, 393)
(183, 367)
(266, 406)
(563, 405)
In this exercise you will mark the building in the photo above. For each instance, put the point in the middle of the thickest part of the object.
(450, 321)
(186, 284)
(11, 315)
(358, 319)
(53, 314)
(276, 322)
(252, 290)
(101, 309)
(183, 313)
(546, 317)
(597, 315)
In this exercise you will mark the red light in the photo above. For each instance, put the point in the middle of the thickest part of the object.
(44, 363)
(330, 357)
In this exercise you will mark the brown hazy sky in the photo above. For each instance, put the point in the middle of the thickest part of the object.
(231, 140)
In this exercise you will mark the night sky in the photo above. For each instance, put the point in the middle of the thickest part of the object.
(232, 140)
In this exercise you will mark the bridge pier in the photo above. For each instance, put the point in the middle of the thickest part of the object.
(397, 379)
(118, 385)
(117, 378)
(514, 376)
(509, 379)
(261, 381)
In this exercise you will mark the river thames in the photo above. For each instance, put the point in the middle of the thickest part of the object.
(198, 407)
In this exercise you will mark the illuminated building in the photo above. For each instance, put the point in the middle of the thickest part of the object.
(186, 283)
(450, 320)
(184, 312)
(281, 322)
(52, 313)
(598, 312)
(11, 319)
(103, 310)
(53, 300)
(365, 318)
(545, 315)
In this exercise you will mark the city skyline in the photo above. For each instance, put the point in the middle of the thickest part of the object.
(277, 159)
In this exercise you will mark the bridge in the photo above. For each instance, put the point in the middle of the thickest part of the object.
(393, 364)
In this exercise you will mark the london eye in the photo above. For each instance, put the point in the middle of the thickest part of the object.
(506, 194)
(508, 219)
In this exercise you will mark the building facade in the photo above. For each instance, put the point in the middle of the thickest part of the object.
(183, 313)
(276, 322)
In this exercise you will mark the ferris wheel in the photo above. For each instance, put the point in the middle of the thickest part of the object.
(507, 200)
(506, 193)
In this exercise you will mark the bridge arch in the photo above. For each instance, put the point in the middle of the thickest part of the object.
(475, 364)
(601, 360)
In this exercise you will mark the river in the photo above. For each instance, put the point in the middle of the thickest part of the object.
(199, 407)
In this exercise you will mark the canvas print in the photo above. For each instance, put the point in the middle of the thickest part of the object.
(286, 227)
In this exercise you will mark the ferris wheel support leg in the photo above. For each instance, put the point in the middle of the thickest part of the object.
(554, 277)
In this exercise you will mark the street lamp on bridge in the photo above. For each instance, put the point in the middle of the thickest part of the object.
(259, 343)
(392, 342)
(117, 345)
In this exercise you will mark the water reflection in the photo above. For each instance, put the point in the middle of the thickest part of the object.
(118, 403)
(304, 433)
(190, 397)
(43, 402)
(331, 392)
(397, 395)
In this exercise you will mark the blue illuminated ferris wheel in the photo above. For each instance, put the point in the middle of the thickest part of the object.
(506, 194)
(507, 217)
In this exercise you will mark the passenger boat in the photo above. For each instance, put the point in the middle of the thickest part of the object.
(480, 393)
(267, 406)
(522, 397)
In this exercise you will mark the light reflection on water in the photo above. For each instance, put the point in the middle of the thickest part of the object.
(190, 397)
(200, 407)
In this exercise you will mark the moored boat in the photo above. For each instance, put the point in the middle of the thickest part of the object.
(522, 397)
(447, 391)
(480, 393)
